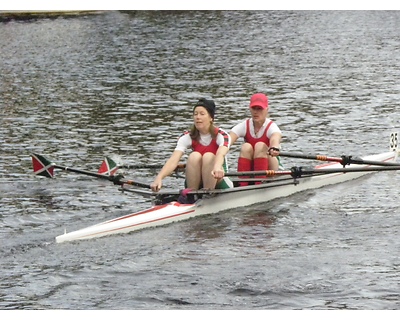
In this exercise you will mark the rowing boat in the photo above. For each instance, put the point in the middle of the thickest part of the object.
(211, 202)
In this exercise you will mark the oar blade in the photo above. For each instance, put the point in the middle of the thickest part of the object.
(108, 167)
(42, 166)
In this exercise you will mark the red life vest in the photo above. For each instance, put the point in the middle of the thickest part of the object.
(213, 146)
(250, 139)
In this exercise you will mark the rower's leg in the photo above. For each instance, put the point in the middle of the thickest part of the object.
(273, 163)
(209, 181)
(261, 151)
(194, 165)
(245, 161)
(261, 162)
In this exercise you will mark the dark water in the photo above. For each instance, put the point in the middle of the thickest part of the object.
(123, 84)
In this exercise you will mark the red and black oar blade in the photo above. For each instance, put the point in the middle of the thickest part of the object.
(42, 166)
(108, 167)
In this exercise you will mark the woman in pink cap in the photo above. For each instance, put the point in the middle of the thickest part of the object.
(262, 138)
(206, 164)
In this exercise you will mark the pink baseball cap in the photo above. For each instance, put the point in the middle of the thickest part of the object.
(259, 100)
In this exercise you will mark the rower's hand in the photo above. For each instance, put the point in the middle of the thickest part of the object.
(274, 151)
(156, 185)
(218, 173)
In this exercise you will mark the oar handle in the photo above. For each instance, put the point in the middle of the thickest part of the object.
(119, 180)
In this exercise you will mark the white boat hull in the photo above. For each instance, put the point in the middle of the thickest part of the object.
(233, 198)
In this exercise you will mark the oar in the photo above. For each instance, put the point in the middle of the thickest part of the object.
(109, 167)
(344, 160)
(297, 172)
(179, 167)
(44, 167)
(109, 164)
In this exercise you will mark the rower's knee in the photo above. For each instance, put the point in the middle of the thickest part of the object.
(260, 150)
(247, 151)
(194, 158)
(208, 158)
(273, 163)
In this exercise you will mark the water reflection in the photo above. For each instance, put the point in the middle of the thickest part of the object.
(123, 84)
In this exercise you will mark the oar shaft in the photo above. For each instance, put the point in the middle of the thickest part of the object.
(268, 173)
(373, 163)
(180, 166)
(344, 160)
(311, 157)
(88, 173)
(299, 171)
(115, 179)
(134, 183)
(351, 169)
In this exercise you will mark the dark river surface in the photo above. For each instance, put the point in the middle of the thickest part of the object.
(123, 84)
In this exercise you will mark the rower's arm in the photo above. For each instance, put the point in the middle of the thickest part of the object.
(171, 164)
(218, 171)
(234, 137)
(275, 140)
(167, 169)
(220, 157)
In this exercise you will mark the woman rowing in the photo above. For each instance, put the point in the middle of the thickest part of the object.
(206, 163)
(262, 138)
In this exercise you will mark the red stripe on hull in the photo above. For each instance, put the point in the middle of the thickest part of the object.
(141, 223)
